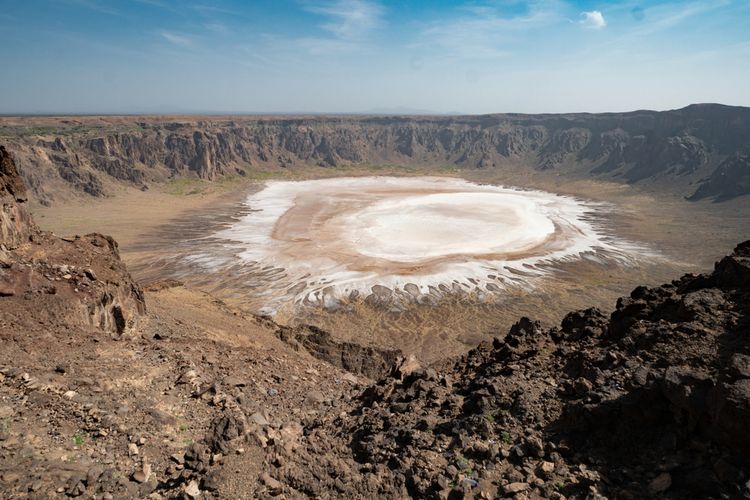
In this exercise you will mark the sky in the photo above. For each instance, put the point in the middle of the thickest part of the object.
(371, 56)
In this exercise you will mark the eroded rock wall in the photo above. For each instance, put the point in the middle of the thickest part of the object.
(79, 280)
(15, 223)
(688, 151)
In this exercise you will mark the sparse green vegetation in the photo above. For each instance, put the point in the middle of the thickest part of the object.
(493, 417)
(506, 437)
(185, 186)
(464, 464)
(78, 439)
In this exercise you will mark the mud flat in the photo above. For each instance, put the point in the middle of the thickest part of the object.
(418, 238)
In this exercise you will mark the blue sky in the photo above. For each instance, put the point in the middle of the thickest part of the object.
(161, 56)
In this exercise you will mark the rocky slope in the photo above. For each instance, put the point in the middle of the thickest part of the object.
(652, 401)
(698, 151)
(730, 179)
(100, 398)
(15, 222)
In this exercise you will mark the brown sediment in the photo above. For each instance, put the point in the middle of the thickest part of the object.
(314, 223)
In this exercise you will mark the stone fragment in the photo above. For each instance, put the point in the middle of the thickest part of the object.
(258, 419)
(513, 488)
(143, 474)
(660, 483)
(272, 483)
(546, 468)
(739, 365)
(192, 490)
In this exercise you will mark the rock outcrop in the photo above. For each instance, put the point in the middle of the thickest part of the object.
(653, 401)
(730, 179)
(80, 280)
(15, 222)
(690, 151)
(372, 362)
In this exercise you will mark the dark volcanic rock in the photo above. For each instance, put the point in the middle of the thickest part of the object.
(371, 362)
(10, 181)
(654, 400)
(81, 180)
(224, 429)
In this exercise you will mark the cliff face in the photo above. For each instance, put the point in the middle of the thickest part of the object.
(730, 179)
(683, 150)
(15, 223)
(80, 280)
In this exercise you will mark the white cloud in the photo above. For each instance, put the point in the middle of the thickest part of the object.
(486, 32)
(349, 20)
(176, 39)
(347, 24)
(593, 19)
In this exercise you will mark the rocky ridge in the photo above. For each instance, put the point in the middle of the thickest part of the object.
(16, 225)
(699, 151)
(652, 401)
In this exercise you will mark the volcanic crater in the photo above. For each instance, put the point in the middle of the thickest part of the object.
(419, 238)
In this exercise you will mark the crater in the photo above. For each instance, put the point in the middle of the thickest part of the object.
(396, 239)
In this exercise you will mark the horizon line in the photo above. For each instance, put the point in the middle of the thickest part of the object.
(415, 113)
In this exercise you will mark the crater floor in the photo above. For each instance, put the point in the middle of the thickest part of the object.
(423, 237)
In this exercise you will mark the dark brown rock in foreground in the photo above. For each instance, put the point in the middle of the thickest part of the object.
(652, 401)
(15, 222)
